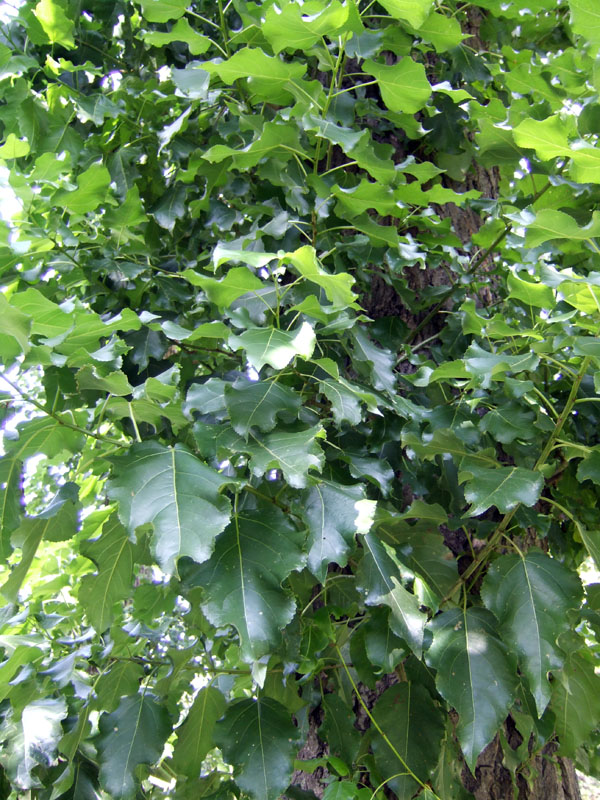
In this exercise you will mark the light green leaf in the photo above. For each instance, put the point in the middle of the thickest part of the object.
(171, 489)
(487, 365)
(134, 734)
(268, 75)
(345, 404)
(404, 86)
(379, 579)
(193, 83)
(238, 282)
(548, 137)
(585, 19)
(415, 12)
(259, 403)
(589, 467)
(475, 675)
(258, 736)
(503, 487)
(14, 147)
(163, 10)
(182, 31)
(550, 224)
(11, 502)
(533, 294)
(415, 728)
(113, 554)
(289, 27)
(47, 318)
(530, 597)
(576, 703)
(92, 191)
(273, 346)
(56, 523)
(15, 328)
(331, 512)
(379, 362)
(242, 580)
(443, 32)
(338, 287)
(55, 23)
(195, 736)
(113, 383)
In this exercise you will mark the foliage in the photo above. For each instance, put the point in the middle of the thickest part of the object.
(236, 485)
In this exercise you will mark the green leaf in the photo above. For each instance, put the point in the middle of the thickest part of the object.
(134, 734)
(379, 579)
(238, 282)
(415, 728)
(195, 735)
(508, 422)
(280, 137)
(122, 680)
(115, 383)
(530, 597)
(113, 554)
(57, 523)
(585, 19)
(14, 147)
(242, 580)
(55, 23)
(32, 740)
(443, 32)
(475, 675)
(503, 487)
(182, 31)
(338, 729)
(15, 328)
(338, 288)
(576, 703)
(273, 346)
(171, 489)
(550, 224)
(91, 192)
(415, 12)
(487, 365)
(331, 513)
(268, 76)
(345, 404)
(47, 318)
(533, 294)
(404, 86)
(589, 467)
(422, 550)
(289, 28)
(11, 501)
(548, 137)
(293, 452)
(163, 10)
(259, 737)
(259, 403)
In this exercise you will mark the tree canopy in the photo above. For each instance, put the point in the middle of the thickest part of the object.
(300, 385)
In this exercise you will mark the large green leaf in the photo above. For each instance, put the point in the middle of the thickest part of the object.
(338, 288)
(503, 487)
(258, 736)
(415, 728)
(576, 703)
(113, 554)
(163, 10)
(92, 190)
(57, 26)
(550, 224)
(273, 346)
(195, 735)
(530, 597)
(585, 19)
(289, 27)
(331, 512)
(171, 489)
(242, 580)
(414, 12)
(268, 76)
(131, 735)
(238, 282)
(475, 675)
(259, 403)
(15, 328)
(379, 579)
(404, 86)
